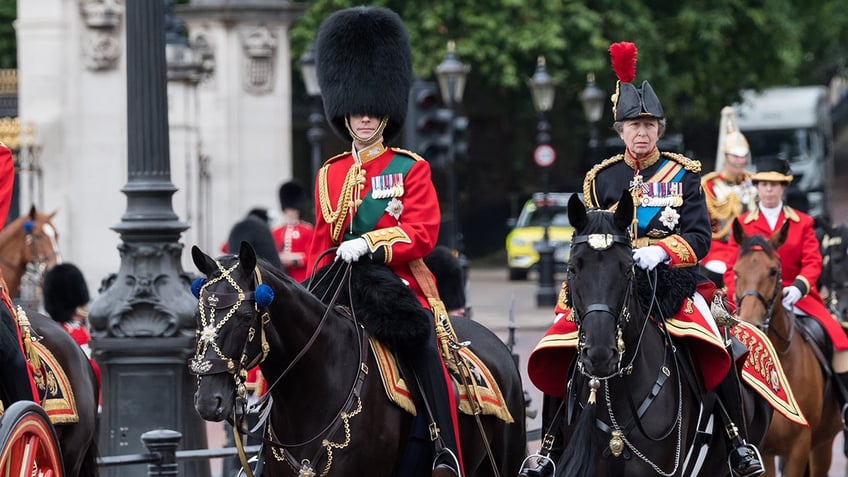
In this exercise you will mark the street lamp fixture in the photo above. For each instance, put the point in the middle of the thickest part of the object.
(451, 74)
(592, 98)
(315, 134)
(542, 87)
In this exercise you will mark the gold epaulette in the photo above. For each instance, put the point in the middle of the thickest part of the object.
(791, 214)
(407, 153)
(709, 176)
(589, 180)
(689, 164)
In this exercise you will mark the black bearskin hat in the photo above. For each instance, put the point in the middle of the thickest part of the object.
(364, 65)
(447, 270)
(292, 196)
(64, 291)
(257, 233)
(628, 102)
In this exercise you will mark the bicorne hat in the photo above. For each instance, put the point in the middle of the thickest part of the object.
(364, 66)
(772, 169)
(629, 102)
(64, 291)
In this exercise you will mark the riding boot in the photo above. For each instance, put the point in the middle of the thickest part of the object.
(551, 449)
(744, 459)
(428, 367)
(842, 394)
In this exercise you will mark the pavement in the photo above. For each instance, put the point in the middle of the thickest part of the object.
(499, 303)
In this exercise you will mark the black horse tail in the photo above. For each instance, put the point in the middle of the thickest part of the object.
(578, 458)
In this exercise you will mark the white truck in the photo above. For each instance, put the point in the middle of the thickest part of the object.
(793, 123)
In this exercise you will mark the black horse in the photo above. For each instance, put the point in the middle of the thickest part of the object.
(328, 407)
(77, 440)
(634, 401)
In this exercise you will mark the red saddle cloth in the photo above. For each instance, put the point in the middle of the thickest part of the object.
(550, 361)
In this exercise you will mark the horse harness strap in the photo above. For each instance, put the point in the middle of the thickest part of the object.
(351, 407)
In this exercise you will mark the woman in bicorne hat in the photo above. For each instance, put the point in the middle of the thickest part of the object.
(671, 230)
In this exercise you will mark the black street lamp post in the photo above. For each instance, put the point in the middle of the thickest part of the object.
(315, 134)
(543, 89)
(143, 328)
(592, 98)
(451, 74)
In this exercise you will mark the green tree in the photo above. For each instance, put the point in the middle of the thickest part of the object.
(8, 41)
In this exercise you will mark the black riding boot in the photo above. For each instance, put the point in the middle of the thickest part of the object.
(15, 376)
(428, 368)
(744, 459)
(842, 394)
(551, 449)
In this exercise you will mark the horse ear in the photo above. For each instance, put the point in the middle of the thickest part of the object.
(32, 212)
(203, 262)
(739, 234)
(247, 256)
(576, 212)
(777, 239)
(624, 212)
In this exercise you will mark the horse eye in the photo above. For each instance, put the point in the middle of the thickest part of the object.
(773, 272)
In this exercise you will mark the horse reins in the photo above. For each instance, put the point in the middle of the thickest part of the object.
(769, 306)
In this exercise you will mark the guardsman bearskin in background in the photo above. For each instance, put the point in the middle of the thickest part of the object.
(729, 193)
(17, 383)
(294, 235)
(65, 300)
(378, 203)
(670, 233)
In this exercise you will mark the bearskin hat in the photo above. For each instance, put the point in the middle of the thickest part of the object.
(364, 66)
(292, 196)
(628, 102)
(257, 233)
(64, 291)
(447, 270)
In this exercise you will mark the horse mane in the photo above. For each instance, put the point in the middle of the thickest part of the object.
(599, 221)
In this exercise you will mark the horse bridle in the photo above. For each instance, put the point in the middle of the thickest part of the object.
(768, 305)
(200, 365)
(602, 242)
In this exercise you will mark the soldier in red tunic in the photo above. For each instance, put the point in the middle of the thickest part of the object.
(376, 202)
(294, 235)
(17, 383)
(671, 230)
(800, 263)
(729, 193)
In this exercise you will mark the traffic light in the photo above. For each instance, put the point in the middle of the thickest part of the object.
(427, 129)
(460, 138)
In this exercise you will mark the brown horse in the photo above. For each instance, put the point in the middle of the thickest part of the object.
(758, 298)
(328, 409)
(28, 244)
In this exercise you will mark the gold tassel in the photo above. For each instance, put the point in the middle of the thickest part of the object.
(29, 349)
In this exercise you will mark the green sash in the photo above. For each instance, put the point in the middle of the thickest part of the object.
(371, 209)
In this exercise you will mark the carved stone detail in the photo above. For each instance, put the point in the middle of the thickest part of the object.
(101, 40)
(260, 48)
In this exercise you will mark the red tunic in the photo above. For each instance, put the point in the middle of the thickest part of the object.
(726, 199)
(406, 232)
(293, 243)
(800, 259)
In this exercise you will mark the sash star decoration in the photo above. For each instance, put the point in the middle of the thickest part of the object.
(669, 217)
(394, 208)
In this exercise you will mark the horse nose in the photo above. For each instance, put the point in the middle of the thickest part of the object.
(600, 360)
(210, 407)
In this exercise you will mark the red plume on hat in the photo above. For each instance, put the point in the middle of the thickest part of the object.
(623, 58)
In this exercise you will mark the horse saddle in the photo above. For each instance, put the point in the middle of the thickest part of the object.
(478, 391)
(815, 334)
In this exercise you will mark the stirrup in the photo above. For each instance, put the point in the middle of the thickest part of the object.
(755, 469)
(845, 417)
(542, 461)
(446, 454)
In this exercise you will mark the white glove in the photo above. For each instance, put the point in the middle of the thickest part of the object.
(351, 250)
(647, 258)
(791, 295)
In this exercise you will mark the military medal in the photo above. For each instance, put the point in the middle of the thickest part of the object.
(387, 185)
(661, 194)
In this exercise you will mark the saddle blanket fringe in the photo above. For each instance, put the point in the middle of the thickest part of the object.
(487, 394)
